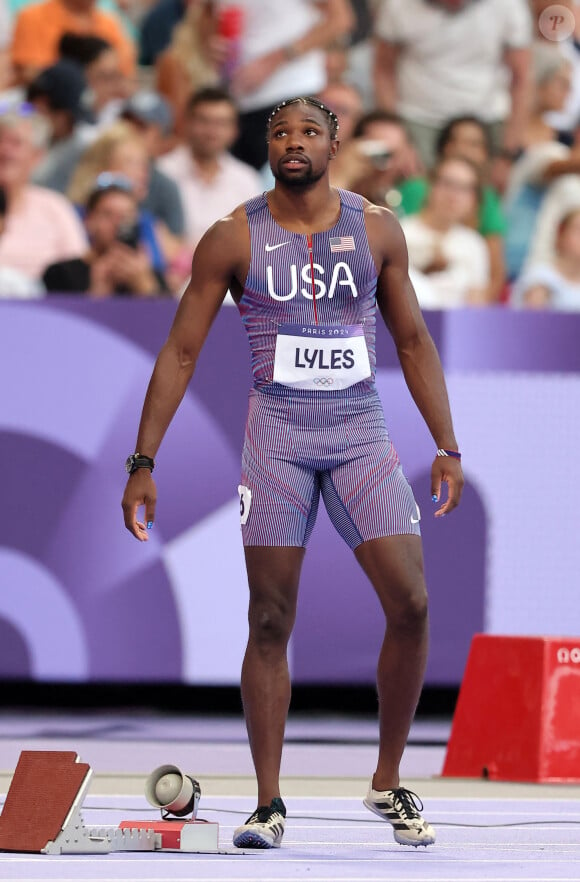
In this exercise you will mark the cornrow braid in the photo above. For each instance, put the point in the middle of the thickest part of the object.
(333, 125)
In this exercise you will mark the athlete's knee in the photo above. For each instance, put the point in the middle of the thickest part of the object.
(270, 621)
(411, 613)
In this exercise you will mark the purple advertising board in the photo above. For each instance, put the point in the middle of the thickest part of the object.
(82, 601)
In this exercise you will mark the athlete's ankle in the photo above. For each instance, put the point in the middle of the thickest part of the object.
(382, 782)
(267, 794)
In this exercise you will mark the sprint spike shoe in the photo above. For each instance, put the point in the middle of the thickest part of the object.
(263, 829)
(401, 807)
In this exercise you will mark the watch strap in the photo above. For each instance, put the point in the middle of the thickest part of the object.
(139, 461)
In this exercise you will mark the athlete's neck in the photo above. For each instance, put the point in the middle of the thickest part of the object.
(311, 210)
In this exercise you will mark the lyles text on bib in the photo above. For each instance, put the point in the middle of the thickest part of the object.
(321, 357)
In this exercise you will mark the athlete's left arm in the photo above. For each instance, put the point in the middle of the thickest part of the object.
(416, 350)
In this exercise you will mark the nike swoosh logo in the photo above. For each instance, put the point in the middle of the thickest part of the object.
(415, 520)
(273, 247)
(418, 518)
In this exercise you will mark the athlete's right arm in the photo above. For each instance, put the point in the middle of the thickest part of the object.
(218, 260)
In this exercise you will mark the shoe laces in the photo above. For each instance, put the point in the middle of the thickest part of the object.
(407, 803)
(264, 813)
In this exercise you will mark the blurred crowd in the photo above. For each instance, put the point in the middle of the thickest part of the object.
(127, 127)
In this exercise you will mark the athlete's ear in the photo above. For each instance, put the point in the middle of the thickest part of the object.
(334, 146)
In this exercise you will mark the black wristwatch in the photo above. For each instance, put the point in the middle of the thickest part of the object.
(139, 461)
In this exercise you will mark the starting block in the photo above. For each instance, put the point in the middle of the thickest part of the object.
(42, 814)
(518, 711)
(178, 835)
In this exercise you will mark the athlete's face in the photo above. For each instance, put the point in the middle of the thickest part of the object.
(300, 145)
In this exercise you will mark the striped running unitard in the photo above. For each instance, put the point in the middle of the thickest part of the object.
(315, 422)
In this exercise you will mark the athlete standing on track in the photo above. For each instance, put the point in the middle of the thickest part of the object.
(307, 266)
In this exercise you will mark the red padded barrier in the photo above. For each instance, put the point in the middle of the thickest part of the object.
(518, 712)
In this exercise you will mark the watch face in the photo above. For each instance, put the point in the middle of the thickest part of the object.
(137, 461)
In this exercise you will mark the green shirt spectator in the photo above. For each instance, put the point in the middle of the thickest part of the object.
(469, 138)
(491, 220)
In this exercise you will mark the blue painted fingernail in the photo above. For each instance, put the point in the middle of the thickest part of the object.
(149, 524)
(433, 498)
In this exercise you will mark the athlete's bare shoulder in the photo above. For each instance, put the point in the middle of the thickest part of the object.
(227, 243)
(384, 233)
(230, 231)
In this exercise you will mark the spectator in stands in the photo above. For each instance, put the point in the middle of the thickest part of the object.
(453, 256)
(90, 85)
(469, 137)
(336, 57)
(6, 72)
(556, 284)
(563, 121)
(211, 181)
(151, 118)
(41, 226)
(281, 55)
(552, 76)
(117, 260)
(345, 100)
(107, 85)
(122, 150)
(56, 94)
(436, 59)
(377, 159)
(535, 169)
(192, 59)
(13, 282)
(157, 28)
(39, 27)
(561, 179)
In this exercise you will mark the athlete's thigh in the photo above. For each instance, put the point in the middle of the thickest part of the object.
(274, 575)
(278, 504)
(367, 496)
(278, 493)
(394, 566)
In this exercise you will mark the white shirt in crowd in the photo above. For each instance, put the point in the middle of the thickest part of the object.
(205, 202)
(560, 198)
(273, 25)
(15, 285)
(564, 294)
(565, 120)
(530, 168)
(42, 228)
(5, 25)
(451, 63)
(467, 259)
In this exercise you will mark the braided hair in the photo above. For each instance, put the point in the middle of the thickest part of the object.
(332, 118)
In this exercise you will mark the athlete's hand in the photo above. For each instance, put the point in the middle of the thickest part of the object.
(140, 490)
(446, 470)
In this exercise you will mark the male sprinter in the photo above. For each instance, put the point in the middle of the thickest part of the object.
(307, 266)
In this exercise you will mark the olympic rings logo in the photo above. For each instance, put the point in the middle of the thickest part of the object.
(324, 381)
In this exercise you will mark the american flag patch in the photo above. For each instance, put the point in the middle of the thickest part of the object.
(341, 243)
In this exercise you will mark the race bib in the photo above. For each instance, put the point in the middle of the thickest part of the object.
(245, 502)
(321, 357)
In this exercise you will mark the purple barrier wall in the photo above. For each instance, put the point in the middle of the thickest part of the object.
(81, 600)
